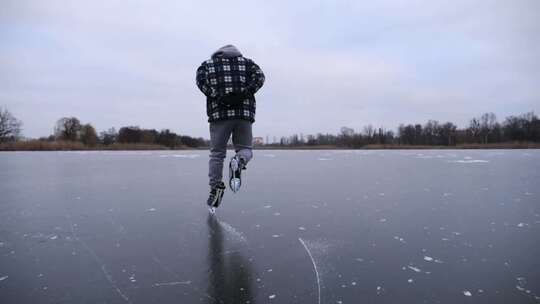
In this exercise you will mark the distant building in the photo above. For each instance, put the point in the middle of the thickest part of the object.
(258, 141)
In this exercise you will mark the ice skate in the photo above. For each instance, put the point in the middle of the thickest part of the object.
(214, 199)
(235, 173)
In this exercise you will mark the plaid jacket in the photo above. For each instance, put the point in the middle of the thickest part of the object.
(220, 76)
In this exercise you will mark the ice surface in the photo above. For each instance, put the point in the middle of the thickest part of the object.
(133, 227)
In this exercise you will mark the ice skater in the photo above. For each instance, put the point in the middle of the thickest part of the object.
(229, 80)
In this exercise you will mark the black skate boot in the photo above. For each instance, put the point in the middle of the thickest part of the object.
(236, 166)
(214, 199)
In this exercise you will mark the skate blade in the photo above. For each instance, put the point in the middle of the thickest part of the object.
(234, 164)
(235, 184)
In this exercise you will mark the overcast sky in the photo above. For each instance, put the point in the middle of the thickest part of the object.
(328, 64)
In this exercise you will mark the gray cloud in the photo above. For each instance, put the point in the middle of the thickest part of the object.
(328, 64)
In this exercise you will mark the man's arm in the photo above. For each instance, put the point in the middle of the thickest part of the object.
(255, 77)
(203, 83)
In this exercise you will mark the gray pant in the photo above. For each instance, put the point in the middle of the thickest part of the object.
(220, 132)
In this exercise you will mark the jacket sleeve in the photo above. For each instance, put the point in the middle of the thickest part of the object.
(203, 83)
(255, 78)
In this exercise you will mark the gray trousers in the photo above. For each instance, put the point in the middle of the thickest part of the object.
(220, 132)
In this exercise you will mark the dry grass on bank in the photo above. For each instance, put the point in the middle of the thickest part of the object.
(503, 145)
(37, 145)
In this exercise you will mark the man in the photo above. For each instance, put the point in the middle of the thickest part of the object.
(229, 81)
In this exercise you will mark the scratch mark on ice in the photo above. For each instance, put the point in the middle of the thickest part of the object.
(315, 268)
(173, 283)
(183, 283)
(108, 276)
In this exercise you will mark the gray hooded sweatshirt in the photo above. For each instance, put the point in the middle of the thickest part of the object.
(228, 51)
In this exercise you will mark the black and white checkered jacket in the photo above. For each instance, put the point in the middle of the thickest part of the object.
(223, 76)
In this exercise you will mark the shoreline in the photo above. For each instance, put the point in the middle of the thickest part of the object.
(55, 146)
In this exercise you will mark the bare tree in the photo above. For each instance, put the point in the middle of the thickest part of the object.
(346, 131)
(108, 137)
(88, 135)
(68, 128)
(488, 122)
(474, 128)
(10, 127)
(448, 132)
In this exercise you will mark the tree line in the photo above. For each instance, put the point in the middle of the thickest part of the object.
(70, 129)
(10, 126)
(484, 129)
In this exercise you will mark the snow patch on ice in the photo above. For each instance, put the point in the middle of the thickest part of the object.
(191, 156)
(3, 278)
(470, 161)
(430, 259)
(399, 239)
(521, 283)
(467, 293)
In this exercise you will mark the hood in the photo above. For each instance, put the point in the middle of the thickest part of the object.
(228, 51)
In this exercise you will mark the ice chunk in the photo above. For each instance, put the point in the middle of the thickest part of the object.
(415, 269)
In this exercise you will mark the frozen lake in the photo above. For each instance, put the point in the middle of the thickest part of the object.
(437, 226)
